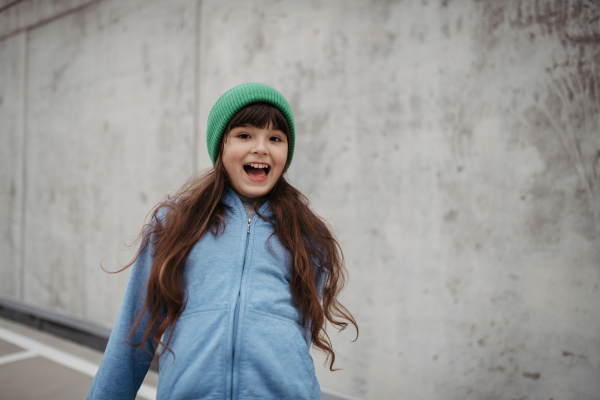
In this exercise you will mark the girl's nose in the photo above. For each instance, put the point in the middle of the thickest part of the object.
(259, 147)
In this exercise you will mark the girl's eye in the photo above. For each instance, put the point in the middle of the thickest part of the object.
(275, 139)
(244, 136)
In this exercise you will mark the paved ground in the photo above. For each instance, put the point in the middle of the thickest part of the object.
(36, 365)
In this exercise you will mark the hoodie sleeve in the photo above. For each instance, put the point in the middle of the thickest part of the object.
(124, 367)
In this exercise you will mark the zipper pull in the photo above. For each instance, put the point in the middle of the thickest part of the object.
(249, 221)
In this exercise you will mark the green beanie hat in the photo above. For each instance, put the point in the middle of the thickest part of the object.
(233, 101)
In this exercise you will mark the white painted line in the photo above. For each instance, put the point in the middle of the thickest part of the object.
(21, 355)
(58, 356)
(63, 358)
(147, 392)
(338, 394)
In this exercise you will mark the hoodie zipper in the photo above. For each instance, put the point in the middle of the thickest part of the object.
(237, 306)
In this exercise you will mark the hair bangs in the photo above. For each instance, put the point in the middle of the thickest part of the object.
(260, 115)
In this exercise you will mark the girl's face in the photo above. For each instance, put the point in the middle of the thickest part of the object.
(254, 159)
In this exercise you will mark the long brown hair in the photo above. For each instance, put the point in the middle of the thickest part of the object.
(180, 221)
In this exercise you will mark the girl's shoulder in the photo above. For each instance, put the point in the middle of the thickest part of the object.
(165, 208)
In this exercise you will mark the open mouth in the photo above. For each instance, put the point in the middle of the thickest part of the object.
(257, 171)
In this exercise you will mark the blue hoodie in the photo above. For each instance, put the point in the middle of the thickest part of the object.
(240, 335)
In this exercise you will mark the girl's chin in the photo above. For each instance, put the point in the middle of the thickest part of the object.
(254, 194)
(253, 191)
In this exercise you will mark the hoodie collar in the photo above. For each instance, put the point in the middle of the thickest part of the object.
(231, 199)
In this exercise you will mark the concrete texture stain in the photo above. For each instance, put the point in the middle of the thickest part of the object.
(563, 113)
(570, 113)
(583, 25)
(381, 11)
(146, 60)
(532, 375)
(450, 216)
(57, 76)
(382, 44)
(573, 355)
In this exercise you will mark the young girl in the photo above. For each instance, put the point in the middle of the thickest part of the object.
(235, 276)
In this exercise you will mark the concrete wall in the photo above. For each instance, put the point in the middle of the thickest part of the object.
(453, 145)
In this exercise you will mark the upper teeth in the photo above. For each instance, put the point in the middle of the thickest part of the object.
(256, 165)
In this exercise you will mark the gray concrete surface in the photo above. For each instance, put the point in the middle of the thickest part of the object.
(132, 61)
(453, 145)
(12, 97)
(40, 378)
(8, 348)
(20, 15)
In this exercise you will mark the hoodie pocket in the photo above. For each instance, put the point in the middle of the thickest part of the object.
(197, 368)
(274, 361)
